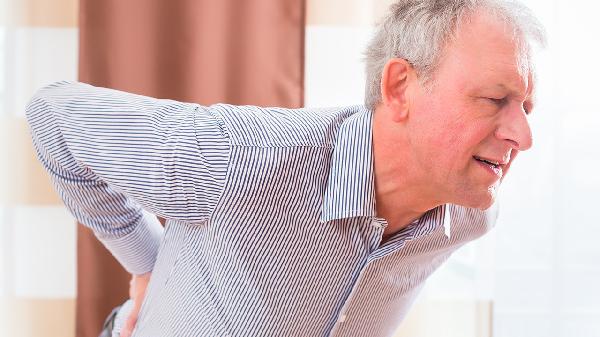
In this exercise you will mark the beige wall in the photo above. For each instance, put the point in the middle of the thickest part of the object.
(345, 12)
(40, 13)
(23, 181)
(30, 317)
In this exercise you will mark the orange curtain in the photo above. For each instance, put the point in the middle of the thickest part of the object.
(233, 51)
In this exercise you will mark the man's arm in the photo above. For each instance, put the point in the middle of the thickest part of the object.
(110, 153)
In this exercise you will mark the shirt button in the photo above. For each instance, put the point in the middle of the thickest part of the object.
(342, 318)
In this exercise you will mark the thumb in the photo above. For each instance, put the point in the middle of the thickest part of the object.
(137, 291)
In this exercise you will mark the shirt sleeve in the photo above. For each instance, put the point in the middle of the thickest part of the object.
(113, 155)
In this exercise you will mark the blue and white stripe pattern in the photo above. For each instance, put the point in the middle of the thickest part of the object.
(271, 226)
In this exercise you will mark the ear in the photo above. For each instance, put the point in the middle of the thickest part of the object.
(394, 85)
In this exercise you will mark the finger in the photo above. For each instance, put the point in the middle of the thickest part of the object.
(129, 325)
(133, 315)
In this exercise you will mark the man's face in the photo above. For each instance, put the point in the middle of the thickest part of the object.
(468, 128)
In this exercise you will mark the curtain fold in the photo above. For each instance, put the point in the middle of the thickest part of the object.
(232, 51)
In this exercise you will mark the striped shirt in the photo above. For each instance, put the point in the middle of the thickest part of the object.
(271, 224)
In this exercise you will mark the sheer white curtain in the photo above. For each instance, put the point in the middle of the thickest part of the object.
(537, 273)
(547, 254)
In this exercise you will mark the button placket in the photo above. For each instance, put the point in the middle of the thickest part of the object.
(342, 315)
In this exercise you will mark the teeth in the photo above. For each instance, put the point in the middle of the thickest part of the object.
(487, 161)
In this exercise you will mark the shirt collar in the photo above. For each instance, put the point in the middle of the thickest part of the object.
(350, 188)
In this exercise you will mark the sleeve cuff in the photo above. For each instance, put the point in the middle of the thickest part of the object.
(137, 250)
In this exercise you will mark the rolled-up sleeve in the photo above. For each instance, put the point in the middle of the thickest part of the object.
(116, 157)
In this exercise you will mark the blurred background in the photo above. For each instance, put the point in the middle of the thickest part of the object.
(536, 274)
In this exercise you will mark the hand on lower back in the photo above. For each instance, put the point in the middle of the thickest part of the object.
(137, 291)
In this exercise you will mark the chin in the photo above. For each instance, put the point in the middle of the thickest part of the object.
(479, 204)
(481, 200)
(486, 205)
(488, 200)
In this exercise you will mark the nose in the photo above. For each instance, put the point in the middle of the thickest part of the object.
(514, 128)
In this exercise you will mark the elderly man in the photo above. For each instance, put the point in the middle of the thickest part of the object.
(301, 222)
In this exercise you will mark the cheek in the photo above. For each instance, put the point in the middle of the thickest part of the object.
(465, 132)
(448, 132)
(446, 145)
(456, 144)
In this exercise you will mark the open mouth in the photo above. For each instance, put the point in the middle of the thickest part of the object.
(495, 166)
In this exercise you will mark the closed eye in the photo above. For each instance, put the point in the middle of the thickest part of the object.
(500, 102)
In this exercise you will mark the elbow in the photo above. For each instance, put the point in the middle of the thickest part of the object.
(37, 114)
(38, 111)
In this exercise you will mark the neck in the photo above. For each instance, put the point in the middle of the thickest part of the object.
(401, 195)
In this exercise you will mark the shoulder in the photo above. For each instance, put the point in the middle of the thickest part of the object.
(281, 127)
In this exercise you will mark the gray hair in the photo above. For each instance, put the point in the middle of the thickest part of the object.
(418, 31)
